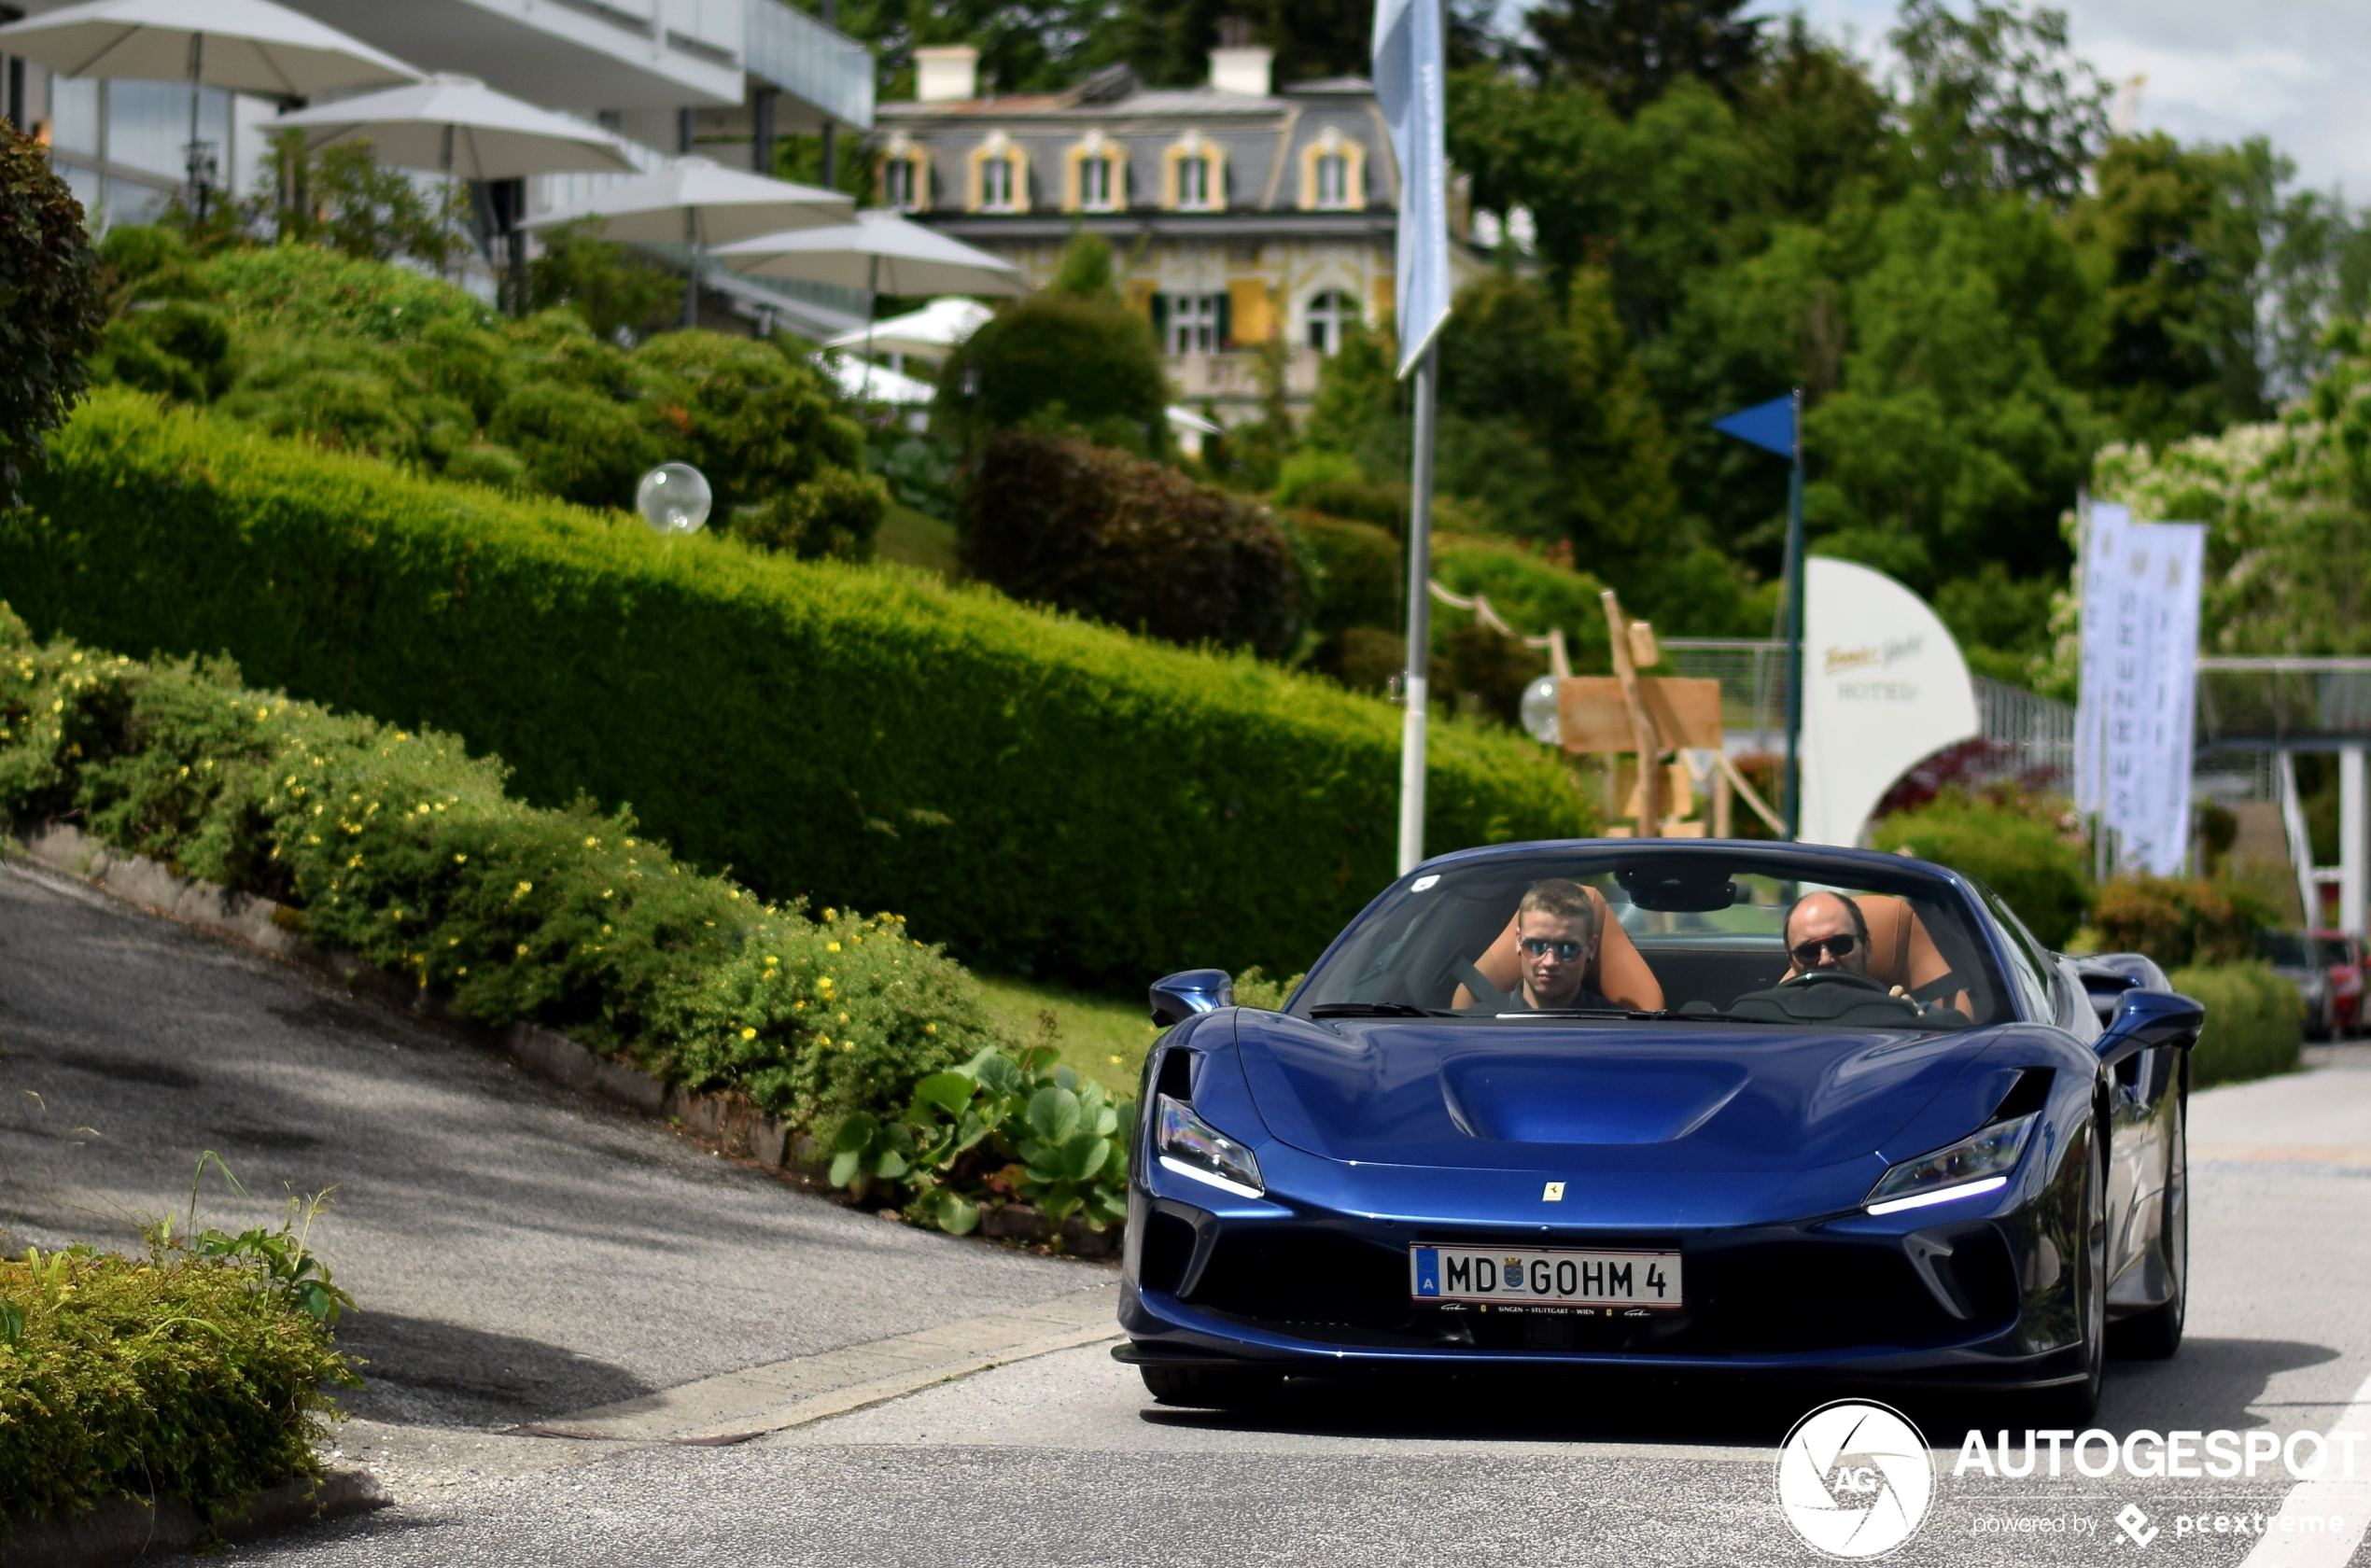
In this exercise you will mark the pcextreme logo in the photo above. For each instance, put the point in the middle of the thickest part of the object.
(1854, 1479)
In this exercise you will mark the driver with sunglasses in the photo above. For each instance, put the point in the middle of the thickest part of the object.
(1826, 931)
(1556, 931)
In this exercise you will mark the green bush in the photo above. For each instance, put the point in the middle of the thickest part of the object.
(1099, 533)
(202, 1371)
(1046, 795)
(1359, 574)
(2180, 920)
(2018, 855)
(49, 304)
(1058, 365)
(2255, 1021)
(402, 849)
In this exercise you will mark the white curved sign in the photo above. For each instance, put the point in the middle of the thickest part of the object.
(1884, 688)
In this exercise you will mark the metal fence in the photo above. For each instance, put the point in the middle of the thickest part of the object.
(2024, 734)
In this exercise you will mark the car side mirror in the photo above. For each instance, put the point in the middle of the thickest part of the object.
(2146, 1018)
(1178, 997)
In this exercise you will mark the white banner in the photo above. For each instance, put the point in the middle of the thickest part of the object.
(2103, 531)
(2140, 633)
(1884, 688)
(1411, 81)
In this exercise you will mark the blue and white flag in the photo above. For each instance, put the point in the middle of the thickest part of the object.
(1411, 72)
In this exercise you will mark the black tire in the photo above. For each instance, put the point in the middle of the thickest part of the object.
(2156, 1334)
(1211, 1388)
(2072, 1405)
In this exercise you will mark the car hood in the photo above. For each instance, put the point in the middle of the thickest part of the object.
(1638, 1098)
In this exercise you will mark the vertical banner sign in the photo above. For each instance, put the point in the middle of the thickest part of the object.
(2102, 533)
(1411, 83)
(2147, 652)
(1411, 70)
(1884, 688)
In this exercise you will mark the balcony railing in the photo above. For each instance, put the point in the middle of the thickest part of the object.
(798, 54)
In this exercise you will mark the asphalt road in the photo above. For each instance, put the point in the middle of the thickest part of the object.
(521, 1254)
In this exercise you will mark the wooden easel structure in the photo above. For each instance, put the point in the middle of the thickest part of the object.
(1649, 718)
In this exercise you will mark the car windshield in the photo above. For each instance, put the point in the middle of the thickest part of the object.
(1694, 933)
(2283, 949)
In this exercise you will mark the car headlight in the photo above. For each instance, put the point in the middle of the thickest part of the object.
(1190, 1146)
(1977, 1164)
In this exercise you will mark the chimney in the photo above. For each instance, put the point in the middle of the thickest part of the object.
(1242, 70)
(946, 75)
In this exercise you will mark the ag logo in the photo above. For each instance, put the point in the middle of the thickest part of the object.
(1854, 1479)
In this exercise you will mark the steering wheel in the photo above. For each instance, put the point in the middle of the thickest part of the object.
(1843, 977)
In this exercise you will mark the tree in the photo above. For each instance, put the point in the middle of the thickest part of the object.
(2175, 239)
(612, 290)
(344, 199)
(50, 305)
(1634, 50)
(1058, 364)
(1997, 101)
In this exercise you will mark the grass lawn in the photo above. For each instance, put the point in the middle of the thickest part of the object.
(1103, 1037)
(915, 538)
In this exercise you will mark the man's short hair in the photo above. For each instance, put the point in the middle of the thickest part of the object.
(1852, 911)
(1558, 896)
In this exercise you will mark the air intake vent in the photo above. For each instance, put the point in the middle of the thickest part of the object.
(1176, 1078)
(2030, 1093)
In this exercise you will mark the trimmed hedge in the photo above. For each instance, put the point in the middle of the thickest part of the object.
(2018, 855)
(2255, 1022)
(177, 1375)
(2180, 920)
(1049, 796)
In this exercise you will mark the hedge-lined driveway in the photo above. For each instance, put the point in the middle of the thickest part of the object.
(518, 1252)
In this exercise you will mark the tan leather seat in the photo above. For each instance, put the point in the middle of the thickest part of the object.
(1618, 974)
(1901, 953)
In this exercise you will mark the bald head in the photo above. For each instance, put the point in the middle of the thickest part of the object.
(1816, 925)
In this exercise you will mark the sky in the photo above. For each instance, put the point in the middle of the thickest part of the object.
(2296, 71)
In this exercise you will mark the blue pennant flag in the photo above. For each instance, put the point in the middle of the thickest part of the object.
(1770, 426)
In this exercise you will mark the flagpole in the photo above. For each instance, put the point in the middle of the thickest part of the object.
(1792, 809)
(1419, 619)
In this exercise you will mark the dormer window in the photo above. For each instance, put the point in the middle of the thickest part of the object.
(1000, 176)
(1097, 180)
(1195, 174)
(900, 190)
(1333, 174)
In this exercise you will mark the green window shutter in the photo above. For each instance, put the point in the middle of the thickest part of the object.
(1224, 335)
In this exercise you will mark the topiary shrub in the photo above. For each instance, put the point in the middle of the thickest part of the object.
(2255, 1021)
(2018, 855)
(51, 306)
(1103, 534)
(1062, 364)
(1359, 564)
(2180, 920)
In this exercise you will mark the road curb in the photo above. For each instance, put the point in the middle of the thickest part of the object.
(122, 1531)
(734, 1128)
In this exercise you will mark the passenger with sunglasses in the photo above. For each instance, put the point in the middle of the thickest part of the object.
(1556, 932)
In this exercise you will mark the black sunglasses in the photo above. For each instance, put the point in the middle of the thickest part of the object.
(1541, 947)
(1807, 954)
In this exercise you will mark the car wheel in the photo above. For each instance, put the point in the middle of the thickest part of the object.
(1211, 1388)
(2072, 1405)
(2156, 1333)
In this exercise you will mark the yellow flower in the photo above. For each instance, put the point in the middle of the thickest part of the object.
(1115, 1061)
(830, 946)
(831, 914)
(771, 960)
(460, 860)
(522, 950)
(825, 1039)
(749, 1034)
(523, 889)
(843, 1017)
(592, 844)
(930, 1028)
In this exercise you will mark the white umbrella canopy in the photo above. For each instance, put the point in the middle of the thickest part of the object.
(699, 201)
(463, 127)
(247, 46)
(871, 382)
(930, 333)
(880, 253)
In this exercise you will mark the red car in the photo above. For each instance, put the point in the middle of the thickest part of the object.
(2341, 958)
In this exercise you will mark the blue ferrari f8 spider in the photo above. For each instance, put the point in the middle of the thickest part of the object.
(1728, 1107)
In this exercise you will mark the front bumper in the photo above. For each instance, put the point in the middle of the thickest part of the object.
(1927, 1297)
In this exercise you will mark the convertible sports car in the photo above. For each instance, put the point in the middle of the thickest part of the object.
(1961, 1166)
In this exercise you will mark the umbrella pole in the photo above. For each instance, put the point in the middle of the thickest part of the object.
(197, 175)
(444, 224)
(691, 274)
(872, 308)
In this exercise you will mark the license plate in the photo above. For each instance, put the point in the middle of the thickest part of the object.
(1535, 1277)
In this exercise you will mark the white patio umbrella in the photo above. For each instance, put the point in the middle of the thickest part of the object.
(699, 203)
(880, 252)
(930, 333)
(460, 127)
(246, 46)
(859, 379)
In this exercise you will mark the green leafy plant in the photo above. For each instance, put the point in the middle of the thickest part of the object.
(2255, 1021)
(2180, 920)
(50, 305)
(1019, 1128)
(2022, 855)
